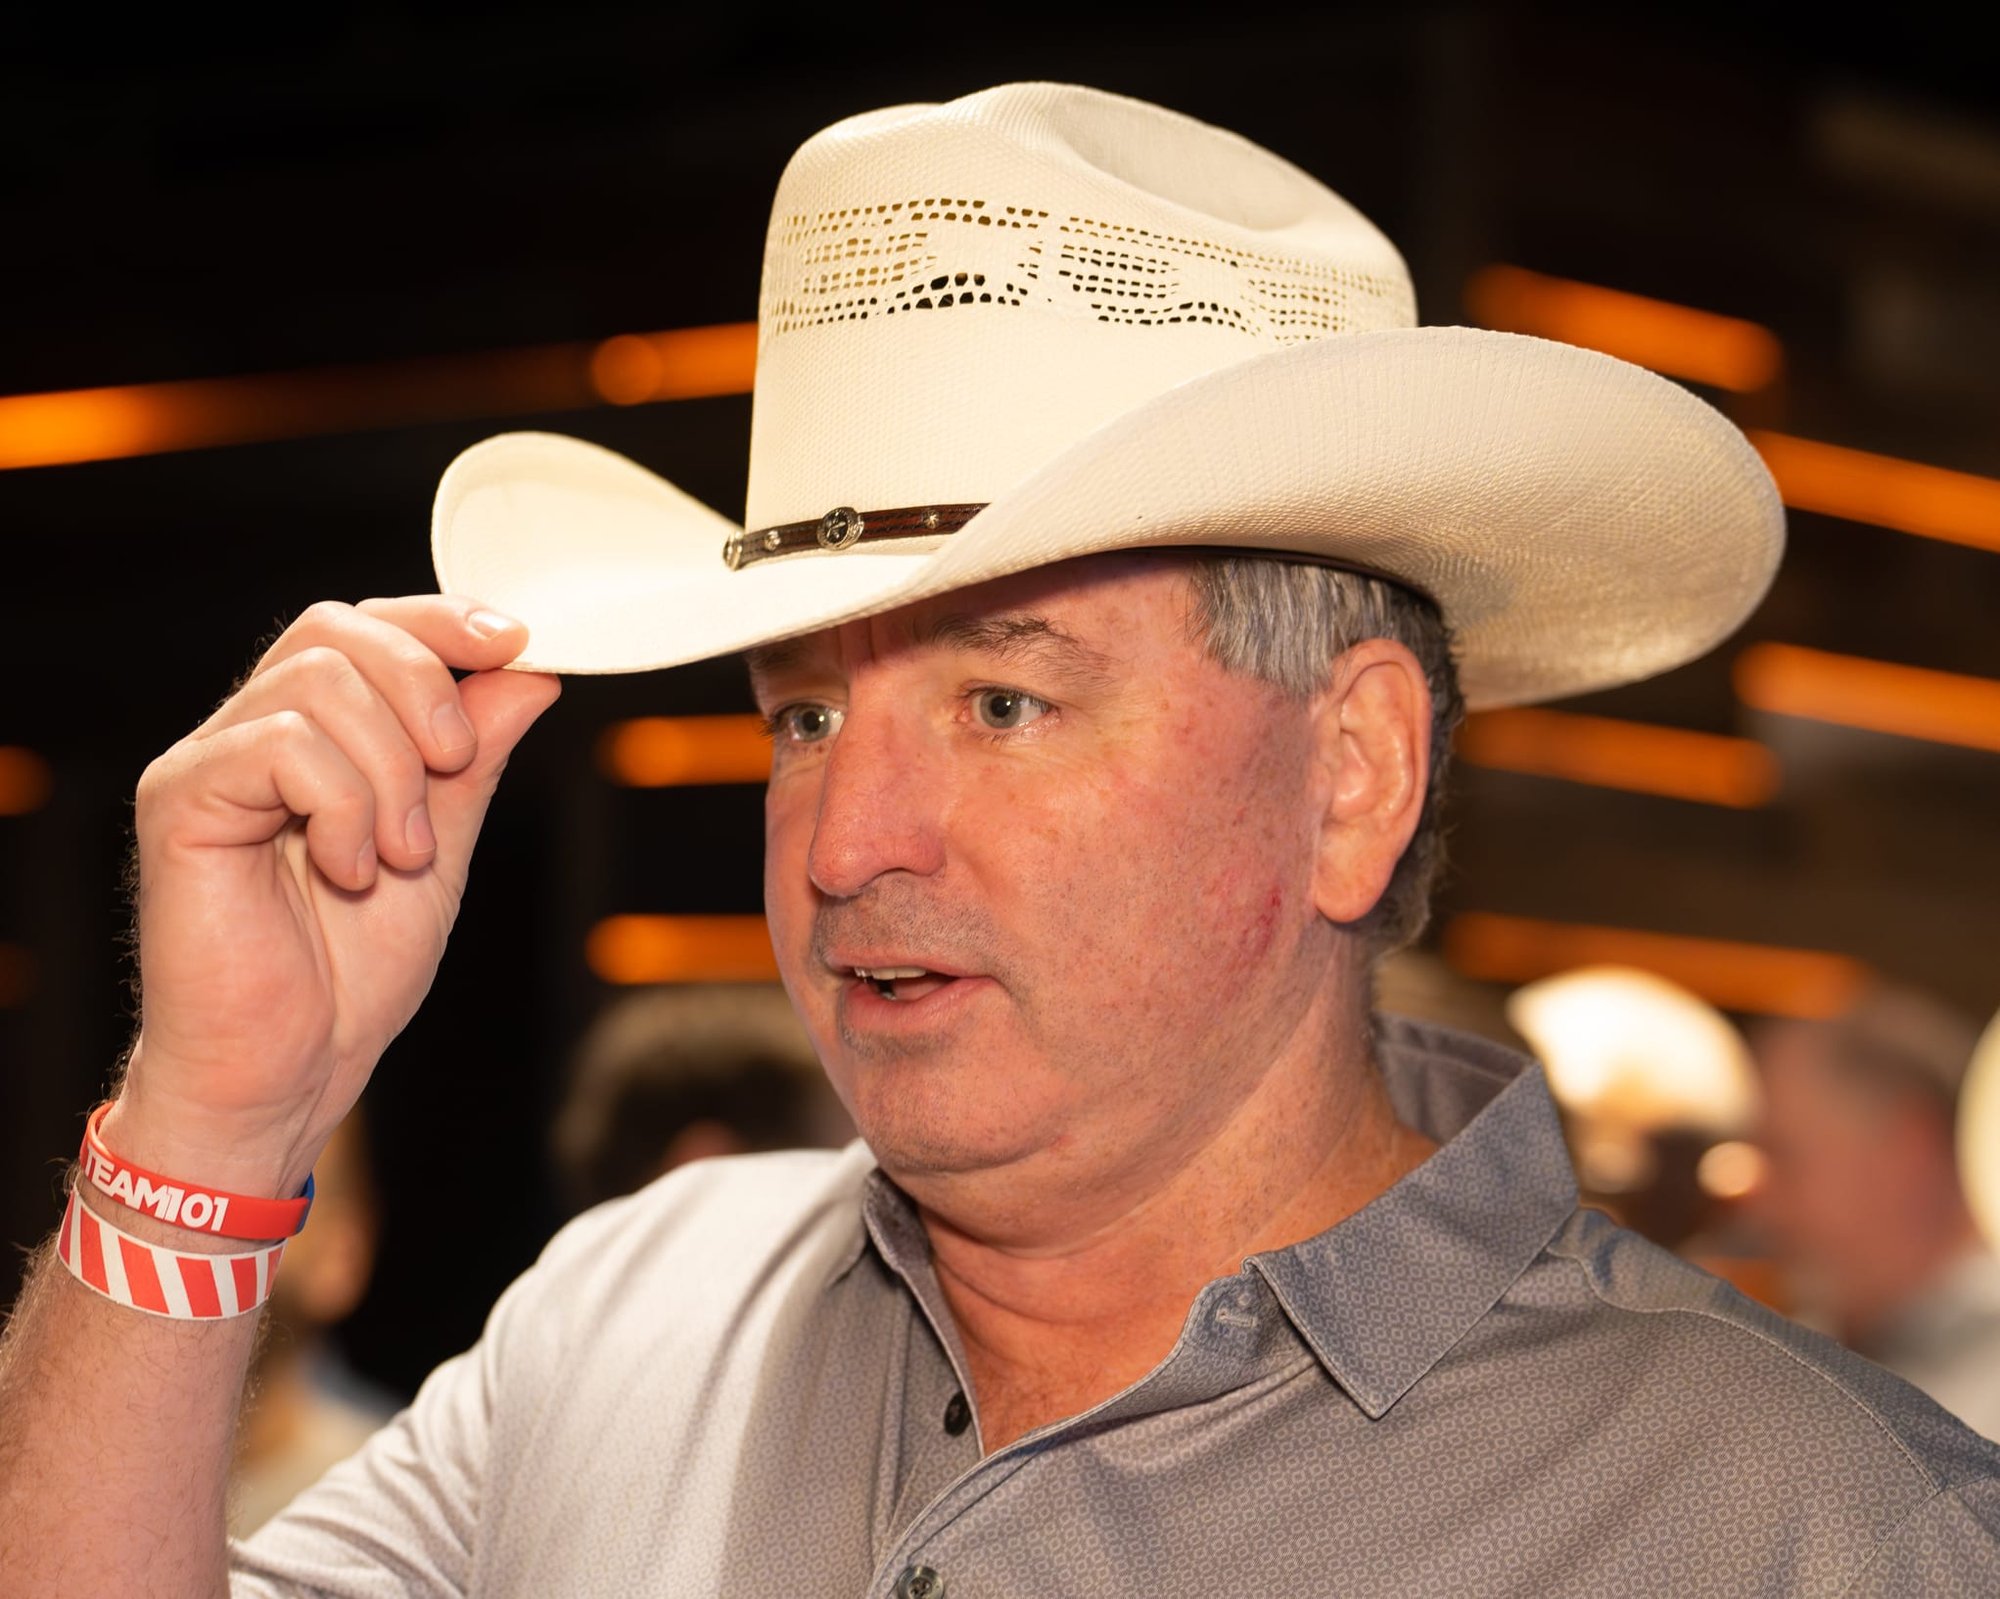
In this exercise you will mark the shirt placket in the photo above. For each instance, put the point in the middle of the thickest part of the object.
(1235, 1334)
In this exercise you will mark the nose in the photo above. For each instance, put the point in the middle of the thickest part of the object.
(882, 802)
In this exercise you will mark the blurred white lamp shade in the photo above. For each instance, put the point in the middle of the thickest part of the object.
(1625, 1047)
(1979, 1133)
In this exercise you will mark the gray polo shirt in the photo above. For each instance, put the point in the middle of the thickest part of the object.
(744, 1380)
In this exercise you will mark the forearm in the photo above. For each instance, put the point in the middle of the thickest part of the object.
(116, 1433)
(301, 859)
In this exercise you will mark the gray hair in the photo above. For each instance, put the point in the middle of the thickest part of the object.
(1286, 622)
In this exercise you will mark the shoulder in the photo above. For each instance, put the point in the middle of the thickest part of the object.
(1828, 1445)
(704, 1235)
(1779, 1374)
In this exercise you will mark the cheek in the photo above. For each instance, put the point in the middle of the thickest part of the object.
(1240, 813)
(1193, 870)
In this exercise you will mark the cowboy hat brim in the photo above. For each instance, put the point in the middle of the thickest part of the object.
(1581, 521)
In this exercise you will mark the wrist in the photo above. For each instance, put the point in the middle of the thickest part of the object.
(245, 1153)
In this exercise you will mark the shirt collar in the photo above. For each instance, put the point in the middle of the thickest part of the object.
(1382, 1296)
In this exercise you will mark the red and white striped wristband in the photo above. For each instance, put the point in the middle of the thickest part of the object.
(164, 1282)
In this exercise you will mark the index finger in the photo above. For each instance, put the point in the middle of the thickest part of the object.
(403, 649)
(455, 627)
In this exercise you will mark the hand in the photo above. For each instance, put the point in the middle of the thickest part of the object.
(302, 856)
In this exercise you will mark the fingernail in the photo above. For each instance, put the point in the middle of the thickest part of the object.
(450, 728)
(417, 834)
(490, 624)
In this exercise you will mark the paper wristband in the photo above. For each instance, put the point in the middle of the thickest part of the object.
(163, 1282)
(189, 1205)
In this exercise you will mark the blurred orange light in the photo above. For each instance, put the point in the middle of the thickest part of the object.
(671, 751)
(1932, 502)
(1705, 767)
(25, 781)
(1766, 979)
(1731, 1170)
(1880, 696)
(1724, 351)
(624, 370)
(690, 363)
(17, 976)
(681, 949)
(106, 424)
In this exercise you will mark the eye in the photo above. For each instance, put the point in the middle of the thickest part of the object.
(1005, 709)
(804, 724)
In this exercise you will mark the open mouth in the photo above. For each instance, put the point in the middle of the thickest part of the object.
(902, 983)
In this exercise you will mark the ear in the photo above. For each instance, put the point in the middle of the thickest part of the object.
(1373, 728)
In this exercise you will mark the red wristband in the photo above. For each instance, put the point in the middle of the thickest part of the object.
(189, 1205)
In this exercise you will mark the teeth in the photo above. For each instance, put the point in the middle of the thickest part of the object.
(888, 974)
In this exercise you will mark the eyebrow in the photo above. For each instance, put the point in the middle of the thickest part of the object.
(1027, 637)
(1018, 638)
(766, 660)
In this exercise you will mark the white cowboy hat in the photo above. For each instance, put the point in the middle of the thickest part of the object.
(1042, 322)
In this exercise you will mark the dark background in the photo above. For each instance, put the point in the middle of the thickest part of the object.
(299, 188)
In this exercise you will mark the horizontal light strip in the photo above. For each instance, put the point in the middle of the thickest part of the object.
(25, 781)
(1636, 756)
(1724, 351)
(672, 751)
(681, 949)
(1880, 696)
(17, 976)
(1766, 979)
(106, 424)
(684, 364)
(1932, 502)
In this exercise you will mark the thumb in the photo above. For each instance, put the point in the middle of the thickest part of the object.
(501, 706)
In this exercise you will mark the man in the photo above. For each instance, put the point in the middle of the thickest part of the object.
(1863, 1202)
(1163, 1269)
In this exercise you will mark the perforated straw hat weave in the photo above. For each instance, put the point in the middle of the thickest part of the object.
(1042, 322)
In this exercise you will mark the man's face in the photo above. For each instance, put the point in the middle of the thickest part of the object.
(1093, 845)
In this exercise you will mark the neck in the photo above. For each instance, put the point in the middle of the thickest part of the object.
(1079, 1297)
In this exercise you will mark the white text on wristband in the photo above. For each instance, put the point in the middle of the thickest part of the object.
(189, 1205)
(163, 1282)
(197, 1211)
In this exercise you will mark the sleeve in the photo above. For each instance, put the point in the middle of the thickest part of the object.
(401, 1517)
(1948, 1545)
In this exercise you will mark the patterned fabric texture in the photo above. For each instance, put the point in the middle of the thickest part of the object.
(743, 1379)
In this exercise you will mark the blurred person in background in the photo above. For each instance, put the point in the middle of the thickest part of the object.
(1862, 1201)
(310, 1409)
(670, 1075)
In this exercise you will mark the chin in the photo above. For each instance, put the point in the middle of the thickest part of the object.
(919, 1130)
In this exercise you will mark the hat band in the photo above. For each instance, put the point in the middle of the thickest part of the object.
(842, 529)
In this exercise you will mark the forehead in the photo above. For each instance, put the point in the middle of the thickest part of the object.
(1094, 615)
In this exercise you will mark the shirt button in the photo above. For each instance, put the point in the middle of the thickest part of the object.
(919, 1582)
(957, 1415)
